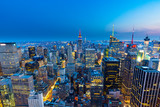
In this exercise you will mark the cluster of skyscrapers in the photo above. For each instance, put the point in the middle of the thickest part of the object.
(80, 73)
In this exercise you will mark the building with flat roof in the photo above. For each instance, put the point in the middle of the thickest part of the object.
(9, 58)
(96, 88)
(35, 99)
(154, 63)
(22, 85)
(90, 58)
(32, 51)
(145, 87)
(110, 70)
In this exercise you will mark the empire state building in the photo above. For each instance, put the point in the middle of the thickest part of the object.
(79, 44)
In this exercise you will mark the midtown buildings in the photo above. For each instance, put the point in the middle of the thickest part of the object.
(9, 58)
(63, 74)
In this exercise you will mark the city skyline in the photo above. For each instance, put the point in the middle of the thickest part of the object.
(80, 53)
(60, 20)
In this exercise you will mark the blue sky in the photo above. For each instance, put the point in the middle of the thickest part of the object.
(36, 20)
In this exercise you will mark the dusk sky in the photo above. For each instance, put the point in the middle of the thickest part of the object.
(52, 20)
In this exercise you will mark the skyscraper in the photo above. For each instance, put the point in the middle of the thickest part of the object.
(40, 50)
(112, 38)
(70, 69)
(9, 58)
(53, 56)
(127, 76)
(90, 58)
(6, 93)
(42, 74)
(156, 47)
(62, 73)
(19, 53)
(158, 99)
(146, 44)
(35, 99)
(45, 52)
(145, 87)
(69, 53)
(116, 47)
(132, 47)
(140, 55)
(32, 51)
(25, 55)
(1, 73)
(22, 85)
(79, 45)
(114, 98)
(96, 88)
(154, 63)
(50, 69)
(110, 70)
(32, 66)
(106, 52)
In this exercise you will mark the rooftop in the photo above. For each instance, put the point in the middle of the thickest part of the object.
(26, 76)
(17, 74)
(146, 69)
(7, 42)
(154, 59)
(4, 81)
(132, 53)
(146, 39)
(110, 59)
(96, 73)
(21, 75)
(90, 49)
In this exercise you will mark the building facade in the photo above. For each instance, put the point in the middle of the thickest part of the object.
(110, 70)
(32, 51)
(79, 50)
(6, 93)
(35, 99)
(9, 58)
(96, 88)
(40, 51)
(145, 87)
(90, 58)
(127, 75)
(22, 85)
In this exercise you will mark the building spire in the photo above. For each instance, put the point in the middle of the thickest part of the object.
(79, 32)
(113, 30)
(132, 36)
(79, 37)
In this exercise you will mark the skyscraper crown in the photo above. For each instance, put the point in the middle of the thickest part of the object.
(79, 37)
